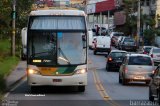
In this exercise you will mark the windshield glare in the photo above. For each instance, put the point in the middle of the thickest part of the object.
(72, 48)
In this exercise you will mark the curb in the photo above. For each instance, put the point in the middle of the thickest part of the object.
(15, 83)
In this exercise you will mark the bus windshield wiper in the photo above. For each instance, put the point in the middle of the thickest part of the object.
(64, 58)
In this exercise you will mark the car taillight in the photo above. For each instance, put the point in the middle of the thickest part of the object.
(109, 59)
(152, 55)
(126, 70)
(144, 52)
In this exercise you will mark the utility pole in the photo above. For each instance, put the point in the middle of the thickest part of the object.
(13, 28)
(138, 22)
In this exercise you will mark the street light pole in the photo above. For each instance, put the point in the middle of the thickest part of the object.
(13, 28)
(138, 22)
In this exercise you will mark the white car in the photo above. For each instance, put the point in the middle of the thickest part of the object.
(101, 44)
(155, 54)
(91, 35)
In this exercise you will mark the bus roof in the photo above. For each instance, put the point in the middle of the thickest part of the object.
(57, 12)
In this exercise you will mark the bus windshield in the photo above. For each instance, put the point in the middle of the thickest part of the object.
(52, 44)
(62, 48)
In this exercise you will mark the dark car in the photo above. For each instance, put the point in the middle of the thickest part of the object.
(128, 43)
(146, 49)
(154, 86)
(114, 59)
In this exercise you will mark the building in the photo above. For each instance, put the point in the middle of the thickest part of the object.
(157, 7)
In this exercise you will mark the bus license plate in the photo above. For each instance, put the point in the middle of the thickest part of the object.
(57, 80)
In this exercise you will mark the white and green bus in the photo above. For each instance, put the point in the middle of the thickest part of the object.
(57, 48)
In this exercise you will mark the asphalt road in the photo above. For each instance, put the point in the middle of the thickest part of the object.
(103, 89)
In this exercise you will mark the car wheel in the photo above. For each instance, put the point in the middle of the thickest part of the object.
(81, 88)
(135, 50)
(147, 82)
(94, 52)
(151, 98)
(108, 68)
(124, 81)
(159, 97)
(90, 48)
(120, 80)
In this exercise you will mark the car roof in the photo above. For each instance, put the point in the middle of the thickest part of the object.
(137, 54)
(156, 48)
(118, 51)
(147, 46)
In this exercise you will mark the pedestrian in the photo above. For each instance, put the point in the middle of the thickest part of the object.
(97, 30)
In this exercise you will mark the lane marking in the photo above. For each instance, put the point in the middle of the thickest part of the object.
(101, 90)
(14, 87)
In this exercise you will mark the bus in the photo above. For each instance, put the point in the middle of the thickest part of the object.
(57, 49)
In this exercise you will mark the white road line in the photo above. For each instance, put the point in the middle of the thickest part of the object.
(14, 87)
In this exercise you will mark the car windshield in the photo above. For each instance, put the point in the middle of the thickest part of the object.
(118, 54)
(128, 40)
(139, 60)
(156, 50)
(147, 49)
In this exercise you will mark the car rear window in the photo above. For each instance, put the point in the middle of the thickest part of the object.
(139, 60)
(156, 50)
(117, 54)
(128, 40)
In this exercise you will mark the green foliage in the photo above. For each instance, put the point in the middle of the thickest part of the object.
(149, 35)
(7, 63)
(23, 9)
(5, 10)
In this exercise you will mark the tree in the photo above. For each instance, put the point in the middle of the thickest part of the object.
(130, 6)
(23, 9)
(5, 10)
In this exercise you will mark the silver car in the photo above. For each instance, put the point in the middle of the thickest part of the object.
(136, 67)
(155, 54)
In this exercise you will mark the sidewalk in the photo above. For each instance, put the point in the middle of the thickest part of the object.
(16, 75)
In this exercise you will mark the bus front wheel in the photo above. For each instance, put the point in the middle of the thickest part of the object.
(81, 88)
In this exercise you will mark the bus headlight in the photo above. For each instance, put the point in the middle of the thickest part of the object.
(33, 71)
(81, 71)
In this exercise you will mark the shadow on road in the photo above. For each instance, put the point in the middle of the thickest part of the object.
(24, 89)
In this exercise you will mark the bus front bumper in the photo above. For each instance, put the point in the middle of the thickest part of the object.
(73, 80)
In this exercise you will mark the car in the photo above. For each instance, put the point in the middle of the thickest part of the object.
(145, 49)
(118, 41)
(155, 54)
(114, 59)
(114, 36)
(136, 67)
(154, 86)
(91, 35)
(129, 44)
(101, 44)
